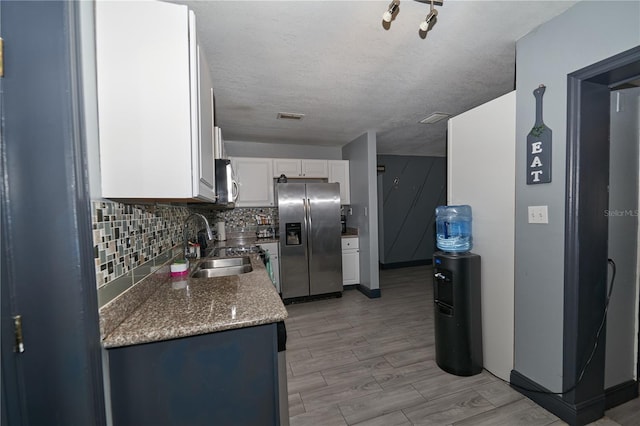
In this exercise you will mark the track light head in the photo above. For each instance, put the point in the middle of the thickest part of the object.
(424, 25)
(388, 15)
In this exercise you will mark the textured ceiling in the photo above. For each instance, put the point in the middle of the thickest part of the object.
(336, 62)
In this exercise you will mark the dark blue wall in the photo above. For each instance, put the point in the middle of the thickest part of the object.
(412, 187)
(48, 273)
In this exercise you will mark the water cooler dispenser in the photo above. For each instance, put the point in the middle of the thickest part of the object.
(456, 294)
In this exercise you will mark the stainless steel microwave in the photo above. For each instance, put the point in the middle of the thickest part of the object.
(226, 186)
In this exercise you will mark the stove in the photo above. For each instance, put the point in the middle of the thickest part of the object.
(239, 250)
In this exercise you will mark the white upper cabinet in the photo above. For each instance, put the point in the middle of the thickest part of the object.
(339, 172)
(155, 118)
(293, 167)
(315, 168)
(290, 167)
(255, 181)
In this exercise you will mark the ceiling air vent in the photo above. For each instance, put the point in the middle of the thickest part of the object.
(290, 116)
(435, 117)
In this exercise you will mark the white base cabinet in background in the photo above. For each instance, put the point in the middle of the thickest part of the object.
(154, 101)
(350, 261)
(255, 181)
(274, 255)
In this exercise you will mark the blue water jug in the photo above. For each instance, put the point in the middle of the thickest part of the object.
(453, 228)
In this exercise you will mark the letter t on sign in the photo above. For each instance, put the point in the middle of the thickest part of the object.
(539, 146)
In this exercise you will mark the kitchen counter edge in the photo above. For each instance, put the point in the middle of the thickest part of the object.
(192, 306)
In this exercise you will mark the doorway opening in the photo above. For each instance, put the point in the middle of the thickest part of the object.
(587, 230)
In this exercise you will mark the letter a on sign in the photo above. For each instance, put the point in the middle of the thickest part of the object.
(539, 146)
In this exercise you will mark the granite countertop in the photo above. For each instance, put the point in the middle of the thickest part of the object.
(181, 307)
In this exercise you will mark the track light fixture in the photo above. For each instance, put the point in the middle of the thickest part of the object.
(424, 25)
(393, 7)
(433, 13)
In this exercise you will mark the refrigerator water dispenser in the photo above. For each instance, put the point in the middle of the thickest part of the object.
(293, 234)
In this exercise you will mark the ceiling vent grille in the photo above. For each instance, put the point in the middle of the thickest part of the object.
(435, 117)
(290, 116)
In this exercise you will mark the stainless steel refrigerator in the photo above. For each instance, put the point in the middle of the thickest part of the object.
(310, 247)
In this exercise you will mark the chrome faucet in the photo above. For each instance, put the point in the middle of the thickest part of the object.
(185, 236)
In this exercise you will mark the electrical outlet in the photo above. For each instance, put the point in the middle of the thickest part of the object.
(538, 214)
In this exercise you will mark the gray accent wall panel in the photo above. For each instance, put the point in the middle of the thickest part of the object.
(412, 187)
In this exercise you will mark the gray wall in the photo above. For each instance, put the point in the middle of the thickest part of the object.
(585, 34)
(361, 153)
(623, 236)
(412, 187)
(280, 150)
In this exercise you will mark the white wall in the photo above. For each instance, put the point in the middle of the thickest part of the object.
(480, 172)
(585, 34)
(280, 150)
(361, 153)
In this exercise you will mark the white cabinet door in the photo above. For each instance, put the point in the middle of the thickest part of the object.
(206, 181)
(255, 181)
(350, 267)
(149, 138)
(314, 168)
(274, 256)
(339, 172)
(289, 167)
(350, 261)
(295, 167)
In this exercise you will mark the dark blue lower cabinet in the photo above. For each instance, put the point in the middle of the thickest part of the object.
(224, 378)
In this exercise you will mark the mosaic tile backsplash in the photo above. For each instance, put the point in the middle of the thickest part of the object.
(242, 219)
(126, 235)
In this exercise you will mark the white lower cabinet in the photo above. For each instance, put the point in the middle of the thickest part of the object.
(350, 261)
(274, 255)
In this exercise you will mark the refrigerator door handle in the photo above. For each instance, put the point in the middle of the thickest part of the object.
(306, 211)
(309, 233)
(307, 225)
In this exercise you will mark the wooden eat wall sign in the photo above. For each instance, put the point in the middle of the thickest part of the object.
(539, 146)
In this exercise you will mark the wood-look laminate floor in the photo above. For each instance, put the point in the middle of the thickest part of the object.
(370, 362)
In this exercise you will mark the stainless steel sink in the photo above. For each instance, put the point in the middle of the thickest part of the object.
(224, 262)
(211, 268)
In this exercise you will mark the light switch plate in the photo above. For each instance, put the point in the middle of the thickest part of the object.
(538, 214)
